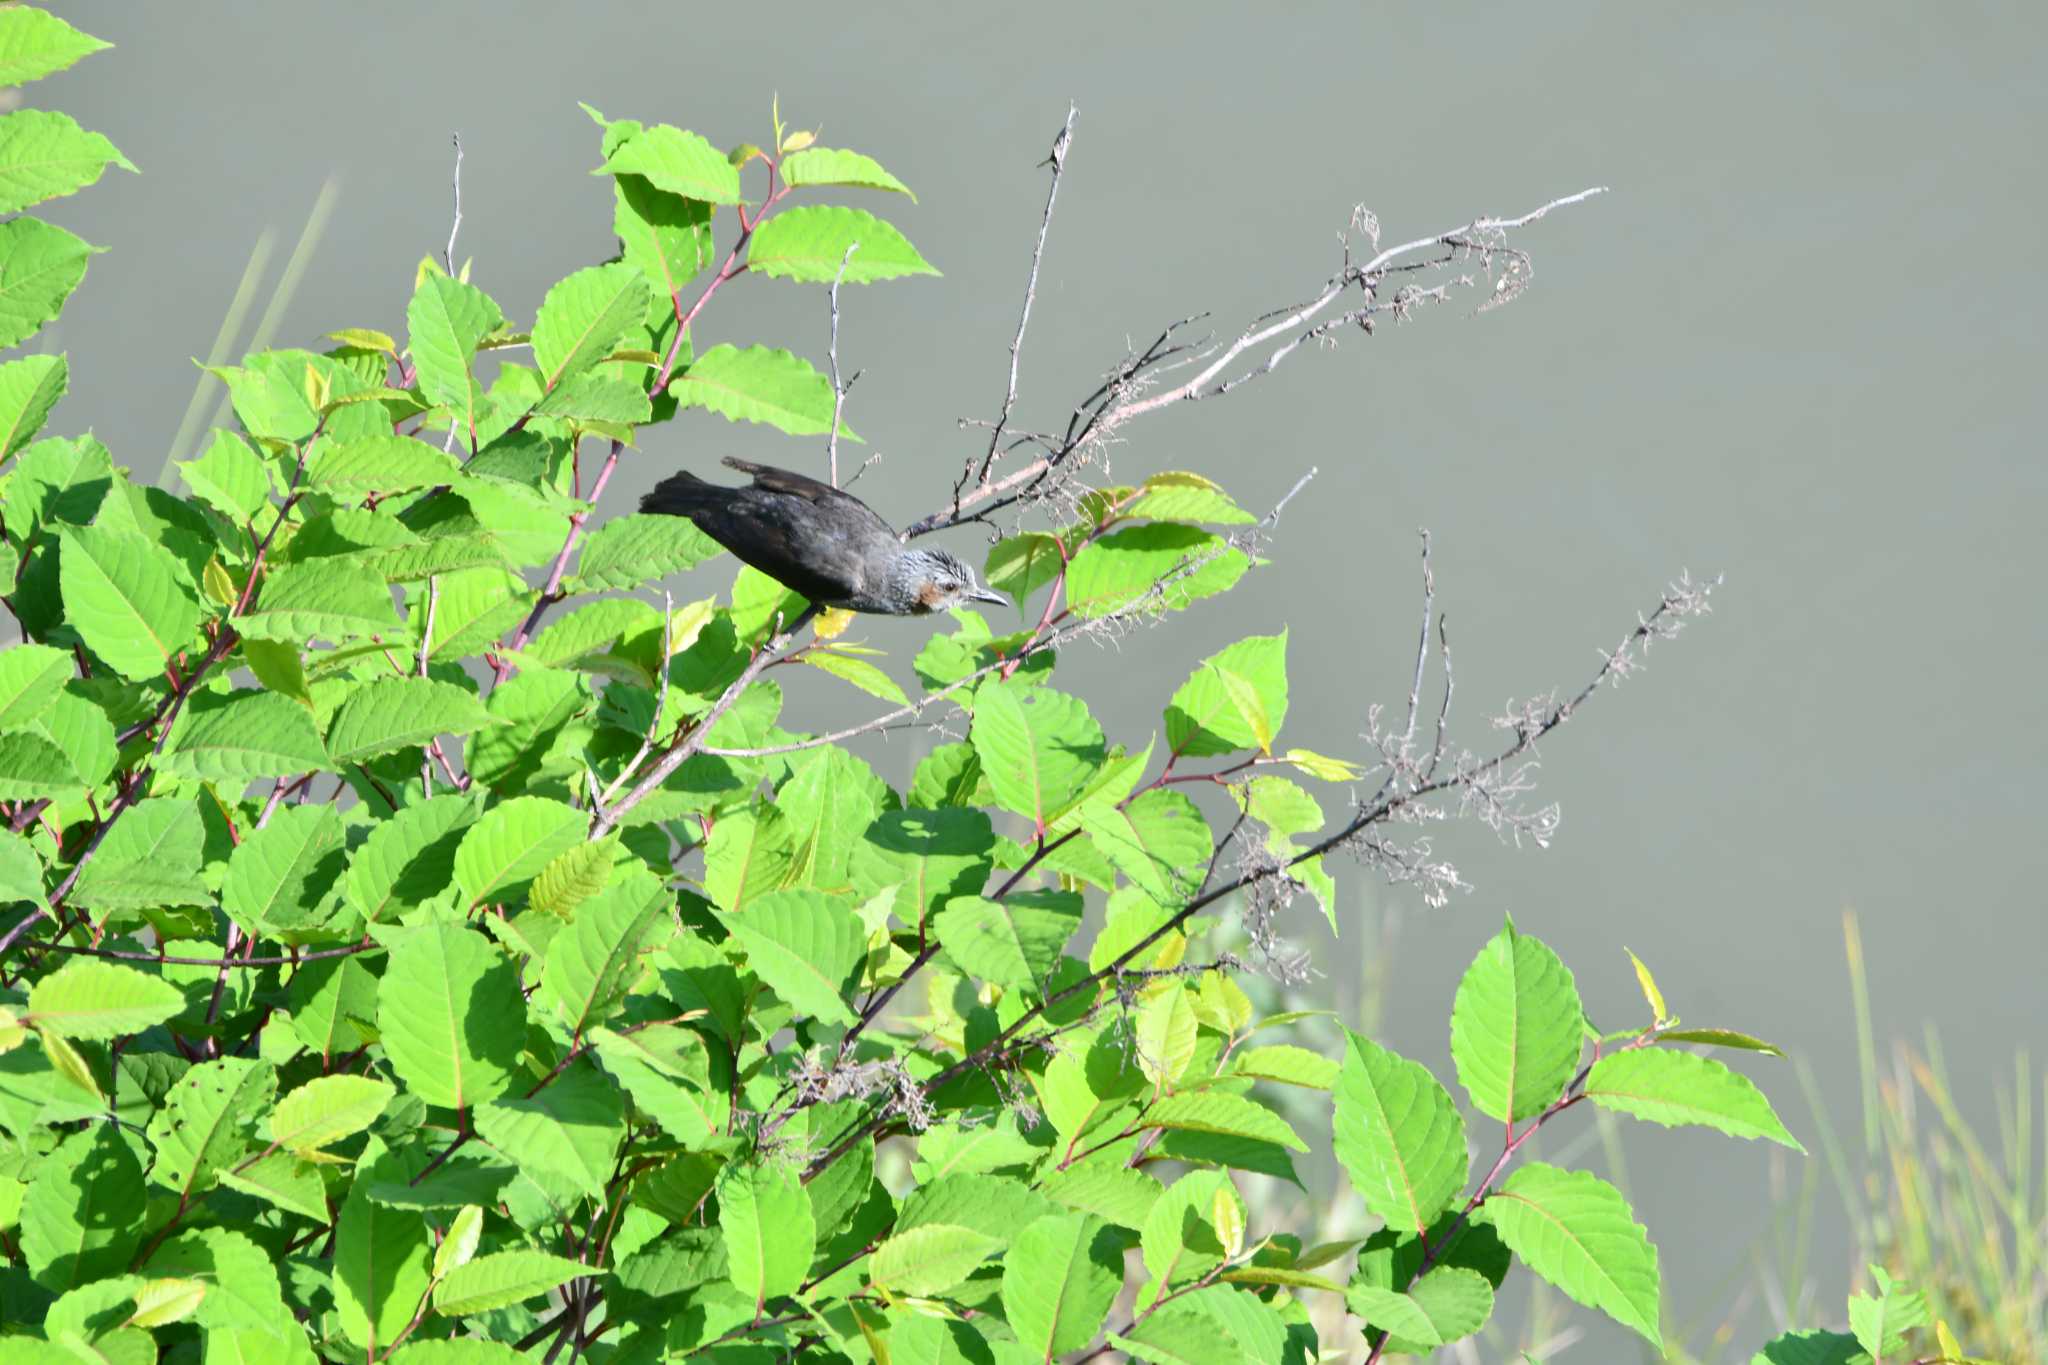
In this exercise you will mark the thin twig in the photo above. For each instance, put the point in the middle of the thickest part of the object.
(448, 255)
(838, 389)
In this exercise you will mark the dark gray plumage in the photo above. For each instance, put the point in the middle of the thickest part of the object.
(818, 541)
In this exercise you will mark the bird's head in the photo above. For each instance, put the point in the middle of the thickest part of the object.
(934, 580)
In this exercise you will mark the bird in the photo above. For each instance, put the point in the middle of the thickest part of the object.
(819, 541)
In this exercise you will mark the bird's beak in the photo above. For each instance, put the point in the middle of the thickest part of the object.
(988, 595)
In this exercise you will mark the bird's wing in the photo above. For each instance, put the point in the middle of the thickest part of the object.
(809, 489)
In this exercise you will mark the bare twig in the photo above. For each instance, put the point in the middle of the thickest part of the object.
(1262, 346)
(448, 254)
(838, 389)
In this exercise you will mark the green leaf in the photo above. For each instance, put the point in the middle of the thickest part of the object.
(330, 599)
(1236, 700)
(1398, 1135)
(476, 607)
(1720, 1037)
(1216, 1111)
(805, 945)
(31, 676)
(31, 767)
(501, 1279)
(1177, 495)
(1038, 747)
(452, 1019)
(667, 1070)
(1288, 1065)
(808, 244)
(1446, 1305)
(770, 1233)
(1674, 1088)
(573, 877)
(382, 1257)
(409, 857)
(150, 858)
(666, 235)
(678, 161)
(640, 548)
(859, 672)
(230, 476)
(398, 713)
(1120, 570)
(1159, 841)
(1113, 1193)
(930, 1259)
(832, 166)
(566, 1135)
(513, 841)
(597, 397)
(242, 1289)
(327, 1109)
(748, 855)
(249, 734)
(45, 155)
(1060, 1278)
(378, 465)
(29, 388)
(1166, 1032)
(584, 318)
(21, 871)
(830, 801)
(123, 594)
(82, 1215)
(929, 856)
(332, 1002)
(447, 320)
(595, 627)
(594, 962)
(1021, 564)
(1576, 1231)
(204, 1126)
(1181, 1240)
(286, 877)
(159, 1303)
(1516, 1027)
(1014, 943)
(760, 384)
(88, 998)
(39, 267)
(1881, 1323)
(34, 44)
(1812, 1348)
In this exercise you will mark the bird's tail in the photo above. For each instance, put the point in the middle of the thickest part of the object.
(678, 495)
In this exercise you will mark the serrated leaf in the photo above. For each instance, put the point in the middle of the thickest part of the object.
(290, 1182)
(832, 166)
(1166, 1031)
(88, 998)
(32, 767)
(1720, 1037)
(446, 322)
(248, 735)
(284, 879)
(676, 160)
(510, 845)
(40, 265)
(594, 962)
(1216, 1111)
(398, 713)
(410, 856)
(501, 1279)
(1177, 495)
(45, 155)
(930, 1259)
(1159, 841)
(1120, 570)
(1060, 1277)
(1181, 1237)
(378, 465)
(451, 1015)
(1576, 1231)
(382, 1257)
(804, 945)
(809, 244)
(1288, 1065)
(204, 1126)
(572, 878)
(331, 599)
(31, 677)
(150, 858)
(584, 318)
(760, 384)
(1038, 747)
(1443, 1306)
(770, 1232)
(1014, 943)
(1516, 1027)
(859, 672)
(35, 44)
(641, 548)
(82, 1215)
(1675, 1088)
(29, 388)
(159, 1303)
(1236, 699)
(666, 235)
(1398, 1135)
(124, 596)
(327, 1109)
(1812, 1348)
